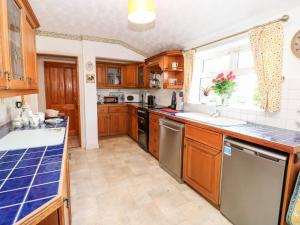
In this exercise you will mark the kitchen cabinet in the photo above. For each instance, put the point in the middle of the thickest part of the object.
(202, 162)
(164, 62)
(131, 76)
(143, 76)
(112, 120)
(101, 75)
(114, 74)
(132, 122)
(154, 135)
(18, 74)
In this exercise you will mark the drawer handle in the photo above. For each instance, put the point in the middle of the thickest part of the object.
(170, 128)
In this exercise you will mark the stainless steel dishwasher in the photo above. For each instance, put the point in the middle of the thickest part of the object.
(170, 147)
(252, 183)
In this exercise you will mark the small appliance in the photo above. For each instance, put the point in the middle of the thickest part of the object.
(132, 98)
(111, 99)
(151, 100)
(173, 101)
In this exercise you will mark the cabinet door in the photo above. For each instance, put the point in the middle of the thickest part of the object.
(202, 168)
(101, 75)
(30, 53)
(130, 77)
(15, 40)
(118, 123)
(114, 74)
(154, 135)
(103, 124)
(2, 50)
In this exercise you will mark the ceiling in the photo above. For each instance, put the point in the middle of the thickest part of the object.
(179, 23)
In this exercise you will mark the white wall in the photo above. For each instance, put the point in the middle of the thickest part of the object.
(86, 51)
(288, 116)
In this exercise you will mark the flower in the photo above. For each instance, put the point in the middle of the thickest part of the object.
(220, 75)
(214, 80)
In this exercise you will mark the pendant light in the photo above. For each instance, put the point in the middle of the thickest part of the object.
(141, 11)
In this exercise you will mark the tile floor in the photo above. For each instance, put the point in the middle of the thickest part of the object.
(122, 185)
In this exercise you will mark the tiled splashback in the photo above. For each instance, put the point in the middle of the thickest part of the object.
(288, 117)
(7, 109)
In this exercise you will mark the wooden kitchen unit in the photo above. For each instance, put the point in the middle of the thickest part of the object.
(112, 119)
(18, 67)
(132, 122)
(154, 134)
(202, 161)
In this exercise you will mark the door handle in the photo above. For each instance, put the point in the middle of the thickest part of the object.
(170, 128)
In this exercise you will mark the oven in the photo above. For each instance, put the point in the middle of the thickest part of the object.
(143, 128)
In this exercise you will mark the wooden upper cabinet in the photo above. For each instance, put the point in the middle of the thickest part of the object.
(131, 76)
(114, 73)
(3, 84)
(101, 75)
(17, 48)
(30, 53)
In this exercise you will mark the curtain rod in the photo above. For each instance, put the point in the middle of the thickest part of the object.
(284, 18)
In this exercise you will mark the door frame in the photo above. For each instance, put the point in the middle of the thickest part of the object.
(59, 59)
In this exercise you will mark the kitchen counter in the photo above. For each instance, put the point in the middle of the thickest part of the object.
(31, 180)
(276, 138)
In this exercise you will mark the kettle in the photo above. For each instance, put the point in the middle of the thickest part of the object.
(173, 101)
(151, 100)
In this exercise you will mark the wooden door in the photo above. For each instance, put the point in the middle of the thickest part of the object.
(202, 169)
(2, 50)
(102, 124)
(131, 76)
(61, 87)
(30, 53)
(154, 135)
(101, 75)
(118, 123)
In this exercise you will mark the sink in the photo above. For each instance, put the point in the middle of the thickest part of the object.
(218, 121)
(20, 139)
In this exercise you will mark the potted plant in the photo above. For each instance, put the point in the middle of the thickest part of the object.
(223, 86)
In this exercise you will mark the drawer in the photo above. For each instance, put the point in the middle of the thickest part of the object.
(154, 118)
(118, 109)
(207, 137)
(102, 109)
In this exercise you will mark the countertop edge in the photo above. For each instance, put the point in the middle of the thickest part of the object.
(48, 208)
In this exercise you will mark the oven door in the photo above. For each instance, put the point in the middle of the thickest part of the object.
(143, 139)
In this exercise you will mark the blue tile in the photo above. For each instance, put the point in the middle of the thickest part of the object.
(33, 155)
(23, 172)
(42, 191)
(4, 173)
(29, 162)
(51, 159)
(16, 152)
(15, 183)
(8, 215)
(46, 178)
(10, 158)
(55, 147)
(12, 197)
(38, 149)
(54, 152)
(49, 167)
(6, 166)
(2, 153)
(29, 207)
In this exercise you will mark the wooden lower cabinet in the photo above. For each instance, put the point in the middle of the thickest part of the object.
(132, 123)
(154, 135)
(202, 169)
(112, 120)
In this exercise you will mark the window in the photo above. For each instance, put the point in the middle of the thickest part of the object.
(235, 56)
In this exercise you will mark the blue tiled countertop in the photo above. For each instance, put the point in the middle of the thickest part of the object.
(29, 178)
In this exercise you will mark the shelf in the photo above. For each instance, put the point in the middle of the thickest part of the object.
(177, 86)
(179, 69)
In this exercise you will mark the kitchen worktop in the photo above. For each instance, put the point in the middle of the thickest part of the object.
(29, 178)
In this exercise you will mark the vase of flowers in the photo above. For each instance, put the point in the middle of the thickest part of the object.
(223, 86)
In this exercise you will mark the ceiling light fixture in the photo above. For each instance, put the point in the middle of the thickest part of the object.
(141, 11)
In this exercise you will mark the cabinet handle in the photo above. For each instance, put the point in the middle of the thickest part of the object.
(67, 200)
(8, 75)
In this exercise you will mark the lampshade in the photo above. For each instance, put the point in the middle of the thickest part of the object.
(141, 11)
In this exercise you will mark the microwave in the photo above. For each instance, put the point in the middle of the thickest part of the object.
(111, 99)
(132, 98)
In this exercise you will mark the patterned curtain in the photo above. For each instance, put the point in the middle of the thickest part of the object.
(189, 59)
(267, 47)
